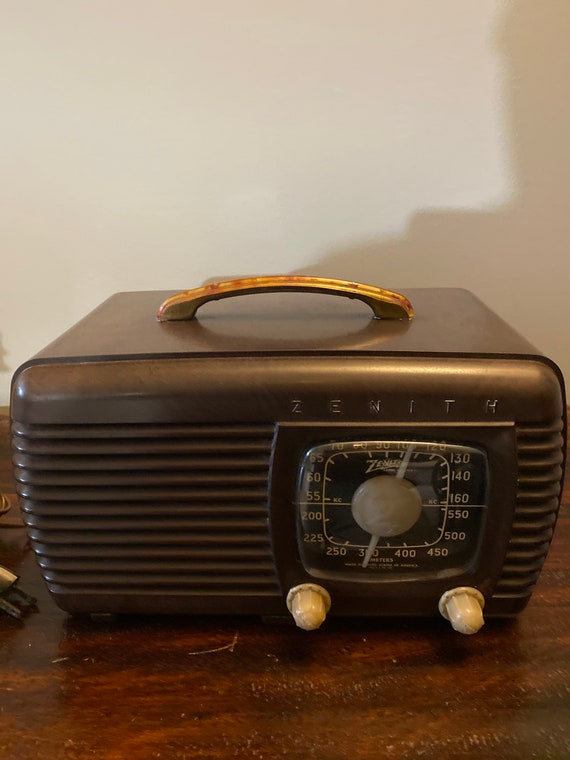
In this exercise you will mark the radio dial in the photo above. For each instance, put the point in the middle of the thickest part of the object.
(386, 506)
(387, 510)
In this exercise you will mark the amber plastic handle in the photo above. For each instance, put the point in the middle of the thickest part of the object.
(385, 304)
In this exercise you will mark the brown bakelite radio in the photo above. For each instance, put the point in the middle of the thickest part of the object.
(291, 452)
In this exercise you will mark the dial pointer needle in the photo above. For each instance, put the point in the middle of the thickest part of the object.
(400, 474)
(371, 546)
(405, 461)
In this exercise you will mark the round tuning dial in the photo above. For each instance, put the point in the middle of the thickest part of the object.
(386, 506)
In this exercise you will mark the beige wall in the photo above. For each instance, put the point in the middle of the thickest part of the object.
(407, 143)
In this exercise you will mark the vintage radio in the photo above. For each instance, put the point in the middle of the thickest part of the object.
(290, 451)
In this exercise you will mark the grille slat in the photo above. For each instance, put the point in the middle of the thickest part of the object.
(163, 508)
(105, 537)
(88, 434)
(130, 463)
(76, 448)
(539, 460)
(127, 493)
(104, 479)
(178, 580)
(166, 568)
(245, 524)
(144, 552)
(129, 509)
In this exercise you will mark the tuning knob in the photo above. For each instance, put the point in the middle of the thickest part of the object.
(309, 604)
(386, 506)
(463, 607)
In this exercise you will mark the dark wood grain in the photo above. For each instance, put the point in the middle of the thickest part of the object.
(214, 688)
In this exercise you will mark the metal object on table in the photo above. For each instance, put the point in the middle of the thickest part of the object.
(13, 601)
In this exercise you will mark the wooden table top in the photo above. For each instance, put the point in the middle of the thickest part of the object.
(181, 688)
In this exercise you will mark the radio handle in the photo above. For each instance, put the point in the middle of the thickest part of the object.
(385, 304)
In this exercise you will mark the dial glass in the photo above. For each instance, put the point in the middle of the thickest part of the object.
(376, 510)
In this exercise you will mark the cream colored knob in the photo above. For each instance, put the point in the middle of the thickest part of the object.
(463, 607)
(309, 604)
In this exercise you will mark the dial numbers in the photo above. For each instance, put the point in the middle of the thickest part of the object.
(368, 509)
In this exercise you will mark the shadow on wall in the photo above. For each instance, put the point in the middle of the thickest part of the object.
(3, 366)
(518, 250)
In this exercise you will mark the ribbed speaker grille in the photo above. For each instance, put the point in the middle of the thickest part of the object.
(146, 509)
(539, 456)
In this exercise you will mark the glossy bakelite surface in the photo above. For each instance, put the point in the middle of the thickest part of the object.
(181, 688)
